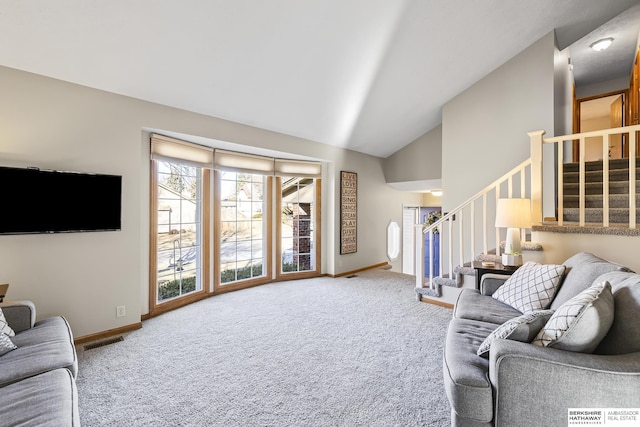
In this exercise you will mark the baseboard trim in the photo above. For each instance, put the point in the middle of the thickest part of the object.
(438, 303)
(346, 273)
(107, 333)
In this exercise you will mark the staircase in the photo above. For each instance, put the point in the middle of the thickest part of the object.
(460, 271)
(436, 284)
(590, 195)
(618, 192)
(467, 233)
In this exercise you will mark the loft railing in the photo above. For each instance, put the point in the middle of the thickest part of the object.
(461, 242)
(475, 231)
(627, 135)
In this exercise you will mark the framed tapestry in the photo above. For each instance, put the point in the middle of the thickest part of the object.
(348, 212)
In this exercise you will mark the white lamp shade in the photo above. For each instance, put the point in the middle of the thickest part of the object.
(513, 213)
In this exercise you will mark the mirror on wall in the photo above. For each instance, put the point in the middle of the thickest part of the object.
(393, 241)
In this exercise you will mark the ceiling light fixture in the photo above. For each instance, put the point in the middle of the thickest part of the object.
(436, 193)
(601, 44)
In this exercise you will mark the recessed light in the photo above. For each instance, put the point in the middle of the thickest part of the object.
(601, 44)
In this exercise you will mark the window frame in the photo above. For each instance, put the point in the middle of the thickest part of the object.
(218, 287)
(165, 148)
(156, 307)
(281, 275)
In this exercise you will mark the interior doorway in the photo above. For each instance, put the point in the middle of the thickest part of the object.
(410, 217)
(599, 112)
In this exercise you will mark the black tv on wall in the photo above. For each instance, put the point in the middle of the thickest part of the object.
(45, 201)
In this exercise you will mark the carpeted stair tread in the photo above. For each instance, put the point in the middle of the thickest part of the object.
(429, 292)
(615, 187)
(595, 201)
(597, 165)
(596, 175)
(488, 257)
(616, 215)
(526, 246)
(465, 270)
(445, 281)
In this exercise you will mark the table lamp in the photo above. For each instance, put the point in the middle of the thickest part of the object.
(513, 214)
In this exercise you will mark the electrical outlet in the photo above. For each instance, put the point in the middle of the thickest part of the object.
(121, 311)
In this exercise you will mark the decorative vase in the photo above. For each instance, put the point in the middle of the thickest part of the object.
(511, 260)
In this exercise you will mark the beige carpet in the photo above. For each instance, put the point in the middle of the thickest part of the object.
(355, 351)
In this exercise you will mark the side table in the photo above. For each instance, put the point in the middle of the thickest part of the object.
(497, 268)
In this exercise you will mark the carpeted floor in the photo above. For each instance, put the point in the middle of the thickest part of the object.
(355, 351)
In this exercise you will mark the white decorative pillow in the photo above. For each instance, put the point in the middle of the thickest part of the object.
(532, 286)
(580, 323)
(522, 328)
(6, 345)
(4, 326)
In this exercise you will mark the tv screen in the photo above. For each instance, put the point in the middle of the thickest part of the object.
(43, 201)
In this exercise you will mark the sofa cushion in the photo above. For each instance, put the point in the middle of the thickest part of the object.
(46, 346)
(523, 328)
(466, 375)
(624, 335)
(582, 270)
(531, 287)
(580, 323)
(6, 345)
(472, 305)
(4, 326)
(48, 399)
(21, 314)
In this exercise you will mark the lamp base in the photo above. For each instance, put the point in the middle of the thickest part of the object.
(510, 260)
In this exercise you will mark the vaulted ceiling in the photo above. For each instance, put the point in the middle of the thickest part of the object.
(368, 75)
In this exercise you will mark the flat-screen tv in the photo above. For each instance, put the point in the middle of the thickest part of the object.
(45, 201)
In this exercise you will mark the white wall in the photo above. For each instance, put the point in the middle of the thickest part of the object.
(560, 246)
(563, 93)
(484, 129)
(563, 125)
(57, 125)
(378, 204)
(615, 85)
(420, 160)
(593, 145)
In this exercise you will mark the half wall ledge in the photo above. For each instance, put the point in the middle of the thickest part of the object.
(613, 229)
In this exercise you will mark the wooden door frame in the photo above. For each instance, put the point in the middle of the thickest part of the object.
(576, 116)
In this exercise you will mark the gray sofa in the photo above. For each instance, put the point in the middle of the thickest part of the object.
(521, 384)
(37, 379)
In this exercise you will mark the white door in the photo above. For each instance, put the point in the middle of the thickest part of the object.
(410, 218)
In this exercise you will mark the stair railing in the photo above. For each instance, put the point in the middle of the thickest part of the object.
(566, 143)
(474, 232)
(463, 241)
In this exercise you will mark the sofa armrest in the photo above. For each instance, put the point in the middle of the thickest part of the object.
(491, 282)
(21, 315)
(526, 378)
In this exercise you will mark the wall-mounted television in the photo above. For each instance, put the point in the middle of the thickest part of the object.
(45, 201)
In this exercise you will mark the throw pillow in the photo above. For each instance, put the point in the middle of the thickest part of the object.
(4, 326)
(6, 345)
(522, 328)
(580, 323)
(582, 271)
(531, 287)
